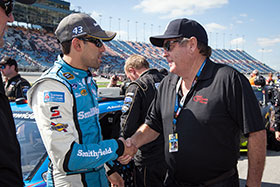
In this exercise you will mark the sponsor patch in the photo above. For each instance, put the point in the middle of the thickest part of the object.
(94, 153)
(84, 115)
(130, 94)
(59, 127)
(55, 112)
(128, 99)
(68, 76)
(74, 86)
(125, 108)
(83, 92)
(157, 85)
(58, 97)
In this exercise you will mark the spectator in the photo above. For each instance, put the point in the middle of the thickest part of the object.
(253, 76)
(270, 80)
(114, 81)
(72, 137)
(150, 167)
(15, 86)
(200, 108)
(10, 170)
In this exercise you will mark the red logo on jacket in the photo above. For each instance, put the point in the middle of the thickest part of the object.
(200, 99)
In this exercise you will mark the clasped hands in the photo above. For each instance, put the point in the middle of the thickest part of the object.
(129, 151)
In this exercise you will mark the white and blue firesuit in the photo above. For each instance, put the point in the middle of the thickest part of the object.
(64, 101)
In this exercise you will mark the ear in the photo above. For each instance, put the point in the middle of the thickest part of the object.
(131, 70)
(77, 44)
(192, 43)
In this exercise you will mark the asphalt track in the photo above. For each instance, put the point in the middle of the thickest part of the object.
(271, 175)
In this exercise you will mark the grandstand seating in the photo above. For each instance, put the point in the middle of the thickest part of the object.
(33, 48)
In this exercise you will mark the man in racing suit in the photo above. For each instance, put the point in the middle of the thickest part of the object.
(150, 167)
(64, 101)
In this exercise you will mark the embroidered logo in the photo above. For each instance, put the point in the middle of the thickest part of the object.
(68, 76)
(55, 112)
(200, 99)
(54, 97)
(83, 92)
(59, 127)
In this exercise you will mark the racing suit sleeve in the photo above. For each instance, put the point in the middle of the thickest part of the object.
(56, 124)
(131, 111)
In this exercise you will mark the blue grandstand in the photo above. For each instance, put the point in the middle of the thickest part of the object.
(36, 51)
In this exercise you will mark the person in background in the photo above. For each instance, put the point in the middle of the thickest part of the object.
(150, 166)
(114, 82)
(270, 80)
(65, 105)
(10, 170)
(16, 87)
(200, 109)
(253, 76)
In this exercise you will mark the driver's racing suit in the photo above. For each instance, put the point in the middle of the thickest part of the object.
(64, 101)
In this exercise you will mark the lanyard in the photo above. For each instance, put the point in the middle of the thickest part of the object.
(179, 105)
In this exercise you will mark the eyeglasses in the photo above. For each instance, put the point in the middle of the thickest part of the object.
(98, 43)
(7, 6)
(167, 44)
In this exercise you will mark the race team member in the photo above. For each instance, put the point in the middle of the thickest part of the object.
(10, 170)
(64, 101)
(15, 86)
(200, 108)
(277, 117)
(150, 167)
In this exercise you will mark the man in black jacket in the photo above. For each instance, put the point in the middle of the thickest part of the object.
(16, 87)
(150, 167)
(10, 170)
(277, 117)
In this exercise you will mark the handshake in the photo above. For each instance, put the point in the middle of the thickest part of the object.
(129, 151)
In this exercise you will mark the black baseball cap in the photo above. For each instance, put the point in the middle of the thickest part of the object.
(8, 61)
(181, 28)
(78, 25)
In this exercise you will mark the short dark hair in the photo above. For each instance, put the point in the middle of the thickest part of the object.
(9, 61)
(66, 47)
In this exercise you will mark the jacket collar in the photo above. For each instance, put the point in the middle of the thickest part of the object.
(77, 72)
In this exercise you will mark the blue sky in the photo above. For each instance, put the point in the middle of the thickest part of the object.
(252, 25)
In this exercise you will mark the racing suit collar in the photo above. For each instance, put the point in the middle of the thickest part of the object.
(77, 72)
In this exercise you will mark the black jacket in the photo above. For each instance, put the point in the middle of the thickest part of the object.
(138, 97)
(16, 87)
(10, 164)
(277, 113)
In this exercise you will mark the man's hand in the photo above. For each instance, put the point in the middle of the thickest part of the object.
(277, 135)
(116, 180)
(129, 151)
